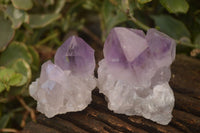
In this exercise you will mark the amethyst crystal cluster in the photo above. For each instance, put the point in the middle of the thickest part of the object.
(135, 72)
(66, 85)
(134, 76)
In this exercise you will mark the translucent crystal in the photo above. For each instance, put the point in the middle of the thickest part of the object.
(135, 72)
(66, 86)
(75, 55)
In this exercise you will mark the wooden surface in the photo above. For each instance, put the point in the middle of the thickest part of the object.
(96, 118)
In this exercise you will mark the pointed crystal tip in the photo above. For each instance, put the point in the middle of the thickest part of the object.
(131, 43)
(75, 55)
(124, 46)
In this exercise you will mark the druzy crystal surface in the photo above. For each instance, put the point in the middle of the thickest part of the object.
(66, 85)
(135, 72)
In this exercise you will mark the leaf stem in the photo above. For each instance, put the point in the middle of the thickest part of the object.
(45, 40)
(187, 44)
(138, 23)
(23, 121)
(30, 110)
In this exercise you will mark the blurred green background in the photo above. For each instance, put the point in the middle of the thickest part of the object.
(31, 31)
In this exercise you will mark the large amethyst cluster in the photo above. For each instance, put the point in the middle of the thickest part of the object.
(135, 72)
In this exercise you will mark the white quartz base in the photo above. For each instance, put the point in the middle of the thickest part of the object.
(155, 103)
(74, 94)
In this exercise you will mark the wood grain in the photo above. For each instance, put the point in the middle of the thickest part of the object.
(96, 118)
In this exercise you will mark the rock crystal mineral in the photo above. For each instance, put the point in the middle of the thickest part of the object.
(66, 85)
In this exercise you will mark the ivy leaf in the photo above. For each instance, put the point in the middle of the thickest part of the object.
(175, 6)
(16, 16)
(6, 32)
(22, 67)
(171, 26)
(40, 21)
(9, 77)
(6, 74)
(15, 80)
(22, 4)
(14, 52)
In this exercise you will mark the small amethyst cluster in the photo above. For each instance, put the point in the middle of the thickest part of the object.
(66, 85)
(133, 75)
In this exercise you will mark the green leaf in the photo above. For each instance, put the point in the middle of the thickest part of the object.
(39, 21)
(22, 67)
(2, 86)
(175, 6)
(6, 74)
(7, 87)
(4, 120)
(112, 16)
(15, 51)
(6, 32)
(15, 80)
(22, 4)
(16, 16)
(119, 18)
(9, 77)
(35, 57)
(171, 26)
(144, 1)
(59, 5)
(70, 22)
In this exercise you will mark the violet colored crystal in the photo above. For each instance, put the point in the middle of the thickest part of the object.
(75, 55)
(135, 72)
(66, 85)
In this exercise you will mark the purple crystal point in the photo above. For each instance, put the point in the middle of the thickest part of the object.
(128, 45)
(163, 48)
(75, 55)
(136, 71)
(121, 45)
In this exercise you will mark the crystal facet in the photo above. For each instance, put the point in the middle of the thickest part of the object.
(135, 72)
(75, 55)
(66, 85)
